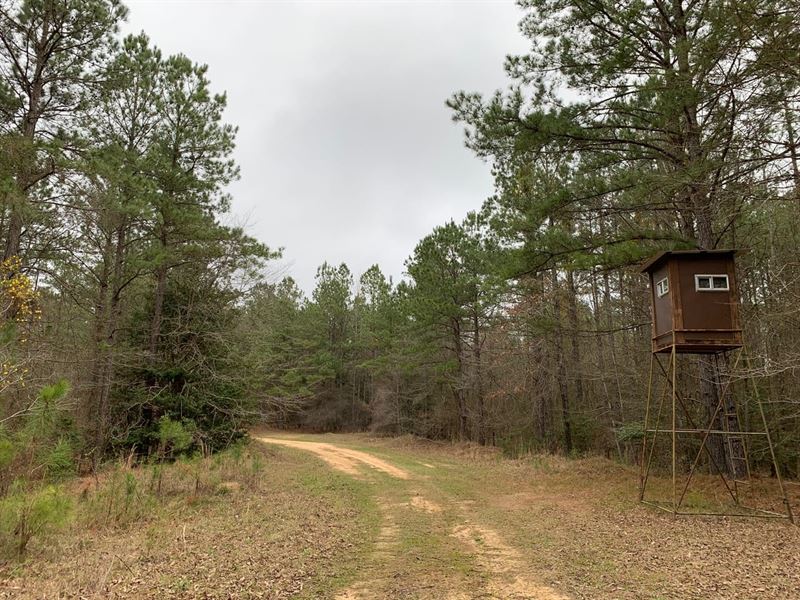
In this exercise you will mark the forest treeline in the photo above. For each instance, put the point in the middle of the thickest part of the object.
(629, 128)
(122, 282)
(132, 310)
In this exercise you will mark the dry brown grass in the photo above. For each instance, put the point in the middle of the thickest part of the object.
(465, 523)
(276, 532)
(578, 525)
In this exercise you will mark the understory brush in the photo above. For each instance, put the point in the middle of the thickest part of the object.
(121, 494)
(126, 493)
(25, 514)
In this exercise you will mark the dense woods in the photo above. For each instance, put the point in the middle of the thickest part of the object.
(121, 286)
(134, 316)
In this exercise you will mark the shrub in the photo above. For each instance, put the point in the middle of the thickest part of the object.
(174, 437)
(25, 515)
(121, 500)
(40, 443)
(629, 432)
(58, 459)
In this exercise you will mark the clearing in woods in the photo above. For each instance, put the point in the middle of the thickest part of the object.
(460, 522)
(503, 572)
(346, 517)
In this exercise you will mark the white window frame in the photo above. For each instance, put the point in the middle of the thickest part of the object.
(662, 287)
(710, 277)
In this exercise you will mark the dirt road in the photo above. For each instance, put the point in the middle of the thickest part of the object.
(343, 459)
(478, 551)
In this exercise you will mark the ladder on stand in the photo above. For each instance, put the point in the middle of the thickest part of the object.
(734, 472)
(735, 441)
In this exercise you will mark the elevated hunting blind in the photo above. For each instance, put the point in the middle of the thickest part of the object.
(695, 310)
(694, 301)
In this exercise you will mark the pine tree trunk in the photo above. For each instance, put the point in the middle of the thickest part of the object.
(478, 377)
(602, 366)
(25, 176)
(460, 394)
(561, 370)
(97, 414)
(575, 337)
(107, 315)
(13, 235)
(158, 308)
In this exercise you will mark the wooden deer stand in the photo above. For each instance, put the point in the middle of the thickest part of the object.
(695, 310)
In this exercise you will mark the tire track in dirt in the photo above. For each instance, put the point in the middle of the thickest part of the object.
(348, 461)
(343, 459)
(388, 539)
(503, 564)
(419, 502)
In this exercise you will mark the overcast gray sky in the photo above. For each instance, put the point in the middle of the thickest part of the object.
(346, 149)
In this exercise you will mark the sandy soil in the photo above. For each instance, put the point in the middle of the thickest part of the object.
(509, 578)
(343, 459)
